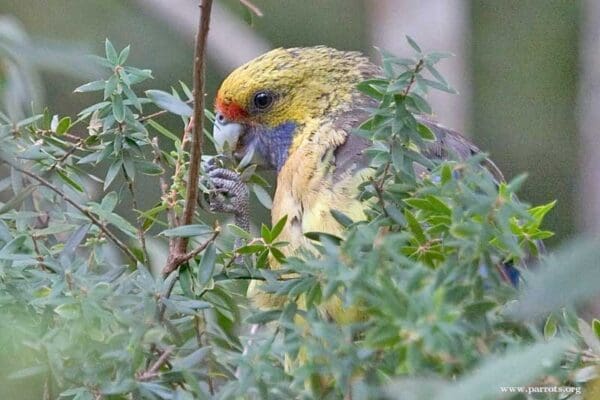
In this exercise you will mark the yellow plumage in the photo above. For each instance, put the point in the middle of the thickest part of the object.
(315, 89)
(296, 109)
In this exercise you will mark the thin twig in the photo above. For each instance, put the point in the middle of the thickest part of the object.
(144, 118)
(181, 259)
(38, 255)
(68, 153)
(191, 254)
(164, 187)
(152, 372)
(201, 341)
(413, 78)
(175, 257)
(134, 203)
(81, 209)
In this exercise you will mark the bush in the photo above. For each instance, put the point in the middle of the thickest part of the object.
(86, 316)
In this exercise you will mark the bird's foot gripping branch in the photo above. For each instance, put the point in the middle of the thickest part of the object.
(411, 287)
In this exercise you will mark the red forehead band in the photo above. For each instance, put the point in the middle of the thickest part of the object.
(230, 110)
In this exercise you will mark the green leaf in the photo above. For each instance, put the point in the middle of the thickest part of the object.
(109, 202)
(550, 327)
(263, 196)
(278, 228)
(278, 254)
(372, 88)
(596, 327)
(437, 85)
(96, 107)
(251, 249)
(446, 174)
(478, 309)
(112, 172)
(588, 335)
(135, 101)
(118, 108)
(261, 260)
(239, 232)
(70, 181)
(413, 44)
(188, 231)
(420, 103)
(207, 265)
(29, 121)
(169, 102)
(538, 213)
(128, 167)
(148, 168)
(264, 317)
(68, 311)
(111, 86)
(63, 126)
(163, 131)
(425, 132)
(123, 55)
(111, 53)
(321, 236)
(265, 233)
(192, 360)
(395, 214)
(91, 87)
(188, 93)
(415, 227)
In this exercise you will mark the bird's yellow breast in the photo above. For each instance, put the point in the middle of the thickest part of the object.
(306, 191)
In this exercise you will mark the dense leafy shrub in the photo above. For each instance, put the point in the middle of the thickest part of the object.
(86, 315)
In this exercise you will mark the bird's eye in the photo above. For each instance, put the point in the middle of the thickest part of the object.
(263, 100)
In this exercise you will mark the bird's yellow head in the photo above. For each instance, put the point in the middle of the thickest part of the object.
(263, 104)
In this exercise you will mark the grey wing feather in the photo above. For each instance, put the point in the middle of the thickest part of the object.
(350, 157)
(450, 144)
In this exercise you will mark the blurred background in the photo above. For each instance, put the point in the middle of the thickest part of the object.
(528, 72)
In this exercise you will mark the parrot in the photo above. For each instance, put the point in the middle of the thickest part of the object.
(293, 110)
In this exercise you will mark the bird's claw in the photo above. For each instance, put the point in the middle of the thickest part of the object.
(227, 193)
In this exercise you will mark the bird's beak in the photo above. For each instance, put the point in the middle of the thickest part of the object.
(227, 134)
(237, 139)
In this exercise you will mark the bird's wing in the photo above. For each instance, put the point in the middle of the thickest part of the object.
(350, 157)
(451, 144)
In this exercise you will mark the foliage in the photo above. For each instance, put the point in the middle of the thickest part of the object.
(86, 316)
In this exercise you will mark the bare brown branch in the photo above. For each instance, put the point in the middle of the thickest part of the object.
(177, 254)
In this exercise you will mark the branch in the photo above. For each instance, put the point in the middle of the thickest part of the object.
(184, 257)
(413, 78)
(144, 118)
(134, 203)
(152, 372)
(177, 255)
(164, 188)
(178, 260)
(198, 116)
(81, 209)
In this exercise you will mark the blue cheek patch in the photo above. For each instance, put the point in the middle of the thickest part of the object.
(274, 144)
